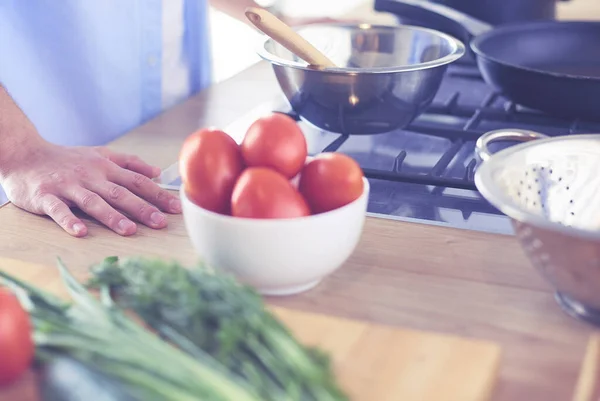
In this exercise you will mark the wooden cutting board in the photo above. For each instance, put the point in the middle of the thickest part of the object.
(588, 384)
(373, 362)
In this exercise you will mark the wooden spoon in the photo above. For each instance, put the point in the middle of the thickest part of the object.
(287, 37)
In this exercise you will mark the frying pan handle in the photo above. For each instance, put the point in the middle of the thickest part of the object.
(520, 135)
(423, 9)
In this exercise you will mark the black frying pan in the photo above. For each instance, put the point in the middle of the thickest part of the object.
(551, 66)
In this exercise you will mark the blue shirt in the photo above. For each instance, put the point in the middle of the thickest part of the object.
(88, 71)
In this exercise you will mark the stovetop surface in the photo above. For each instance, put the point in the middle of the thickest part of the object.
(424, 173)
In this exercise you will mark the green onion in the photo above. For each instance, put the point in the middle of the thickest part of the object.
(222, 342)
(198, 308)
(118, 347)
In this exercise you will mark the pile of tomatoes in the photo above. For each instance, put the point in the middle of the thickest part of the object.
(268, 175)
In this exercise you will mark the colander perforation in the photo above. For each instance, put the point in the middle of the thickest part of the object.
(550, 188)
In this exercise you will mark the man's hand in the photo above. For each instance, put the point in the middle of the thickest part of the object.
(49, 179)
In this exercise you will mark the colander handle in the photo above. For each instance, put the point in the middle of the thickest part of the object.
(520, 135)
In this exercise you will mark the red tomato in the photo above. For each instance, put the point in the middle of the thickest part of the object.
(262, 193)
(330, 181)
(277, 142)
(16, 342)
(210, 162)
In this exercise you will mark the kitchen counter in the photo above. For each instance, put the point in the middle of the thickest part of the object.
(404, 274)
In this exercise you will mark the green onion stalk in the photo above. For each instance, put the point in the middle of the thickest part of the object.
(201, 310)
(100, 335)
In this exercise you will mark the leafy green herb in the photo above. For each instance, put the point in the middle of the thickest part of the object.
(105, 338)
(198, 309)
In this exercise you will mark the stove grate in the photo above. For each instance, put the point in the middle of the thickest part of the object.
(494, 109)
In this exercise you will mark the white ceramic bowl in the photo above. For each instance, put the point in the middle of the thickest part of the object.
(277, 256)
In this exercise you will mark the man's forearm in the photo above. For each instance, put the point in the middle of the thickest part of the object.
(17, 133)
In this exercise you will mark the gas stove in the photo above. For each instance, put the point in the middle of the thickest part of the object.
(424, 173)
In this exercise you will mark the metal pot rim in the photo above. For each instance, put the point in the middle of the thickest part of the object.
(458, 50)
(476, 46)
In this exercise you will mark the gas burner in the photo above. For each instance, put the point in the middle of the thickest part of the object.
(424, 173)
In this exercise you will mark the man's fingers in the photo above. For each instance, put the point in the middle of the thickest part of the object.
(122, 199)
(96, 207)
(147, 189)
(58, 211)
(131, 162)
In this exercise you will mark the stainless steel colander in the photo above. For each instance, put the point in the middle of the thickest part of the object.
(550, 188)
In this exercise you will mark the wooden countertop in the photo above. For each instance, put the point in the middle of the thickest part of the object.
(410, 275)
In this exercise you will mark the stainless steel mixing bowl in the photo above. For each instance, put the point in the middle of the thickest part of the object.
(386, 75)
(550, 188)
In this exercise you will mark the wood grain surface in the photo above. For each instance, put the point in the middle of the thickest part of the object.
(407, 275)
(375, 362)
